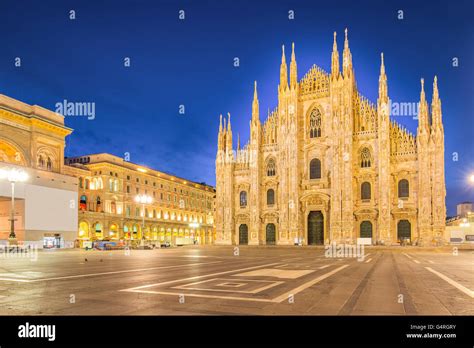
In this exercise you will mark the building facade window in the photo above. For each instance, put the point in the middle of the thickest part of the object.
(365, 191)
(83, 203)
(315, 124)
(270, 197)
(365, 158)
(403, 188)
(243, 199)
(271, 168)
(315, 169)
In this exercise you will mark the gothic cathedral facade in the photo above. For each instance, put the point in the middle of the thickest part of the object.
(328, 165)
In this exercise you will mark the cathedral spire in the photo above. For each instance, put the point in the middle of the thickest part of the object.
(228, 137)
(220, 138)
(335, 58)
(435, 89)
(293, 68)
(346, 57)
(238, 141)
(283, 70)
(436, 106)
(383, 88)
(423, 111)
(255, 105)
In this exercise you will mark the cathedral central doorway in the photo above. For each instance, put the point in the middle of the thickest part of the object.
(404, 230)
(271, 234)
(315, 228)
(243, 234)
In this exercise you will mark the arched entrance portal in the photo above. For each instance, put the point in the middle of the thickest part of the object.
(404, 230)
(271, 234)
(243, 234)
(315, 228)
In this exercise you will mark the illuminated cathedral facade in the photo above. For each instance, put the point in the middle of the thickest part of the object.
(327, 165)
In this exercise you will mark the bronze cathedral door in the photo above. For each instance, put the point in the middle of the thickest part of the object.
(315, 228)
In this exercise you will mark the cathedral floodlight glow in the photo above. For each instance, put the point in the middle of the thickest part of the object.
(327, 165)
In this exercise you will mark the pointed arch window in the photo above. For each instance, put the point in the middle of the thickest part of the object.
(315, 124)
(271, 168)
(315, 169)
(365, 158)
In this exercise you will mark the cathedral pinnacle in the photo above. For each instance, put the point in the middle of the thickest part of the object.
(255, 107)
(435, 88)
(383, 89)
(382, 65)
(335, 58)
(293, 70)
(346, 41)
(346, 57)
(283, 70)
(422, 93)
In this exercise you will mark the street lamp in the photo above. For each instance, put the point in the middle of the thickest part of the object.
(143, 199)
(13, 175)
(471, 178)
(194, 226)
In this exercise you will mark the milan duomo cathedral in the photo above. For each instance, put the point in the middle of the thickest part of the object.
(328, 165)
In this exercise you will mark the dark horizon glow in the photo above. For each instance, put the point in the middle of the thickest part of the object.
(190, 62)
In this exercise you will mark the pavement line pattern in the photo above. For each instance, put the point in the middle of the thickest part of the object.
(430, 261)
(308, 284)
(323, 267)
(202, 295)
(270, 284)
(104, 273)
(416, 261)
(278, 299)
(407, 255)
(15, 280)
(198, 277)
(368, 260)
(465, 290)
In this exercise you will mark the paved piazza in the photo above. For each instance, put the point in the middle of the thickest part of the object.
(260, 280)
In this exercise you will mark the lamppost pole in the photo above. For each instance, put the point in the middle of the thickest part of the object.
(12, 216)
(13, 175)
(143, 199)
(143, 220)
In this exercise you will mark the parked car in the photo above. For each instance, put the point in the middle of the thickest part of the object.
(165, 244)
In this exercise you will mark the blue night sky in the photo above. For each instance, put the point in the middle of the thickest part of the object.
(190, 62)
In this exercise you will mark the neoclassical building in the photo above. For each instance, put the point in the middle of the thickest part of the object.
(32, 140)
(180, 211)
(327, 165)
(66, 201)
